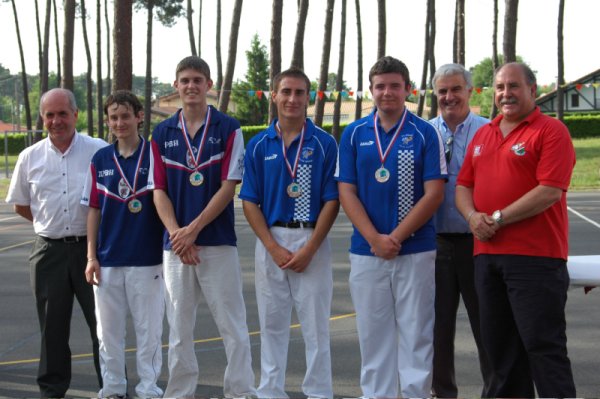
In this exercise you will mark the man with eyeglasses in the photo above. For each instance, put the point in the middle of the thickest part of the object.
(454, 261)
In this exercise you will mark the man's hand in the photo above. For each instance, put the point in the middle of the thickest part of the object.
(182, 239)
(190, 256)
(385, 246)
(483, 226)
(92, 272)
(280, 255)
(300, 260)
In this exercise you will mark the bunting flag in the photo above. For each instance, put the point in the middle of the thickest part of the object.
(578, 86)
(422, 92)
(327, 94)
(335, 94)
(320, 94)
(414, 92)
(312, 94)
(359, 94)
(345, 94)
(588, 85)
(251, 93)
(259, 94)
(351, 93)
(596, 85)
(478, 90)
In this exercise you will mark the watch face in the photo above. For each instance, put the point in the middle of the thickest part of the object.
(497, 216)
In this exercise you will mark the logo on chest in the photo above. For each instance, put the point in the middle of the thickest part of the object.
(519, 149)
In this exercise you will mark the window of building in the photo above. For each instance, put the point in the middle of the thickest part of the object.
(575, 100)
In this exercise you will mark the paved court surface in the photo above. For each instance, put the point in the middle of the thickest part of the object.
(19, 336)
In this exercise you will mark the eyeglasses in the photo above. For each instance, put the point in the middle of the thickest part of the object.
(448, 149)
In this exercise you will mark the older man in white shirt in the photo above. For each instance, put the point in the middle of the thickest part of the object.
(46, 189)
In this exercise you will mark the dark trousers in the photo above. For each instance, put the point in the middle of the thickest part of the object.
(453, 279)
(522, 309)
(57, 275)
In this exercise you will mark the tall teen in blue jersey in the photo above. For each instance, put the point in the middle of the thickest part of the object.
(391, 175)
(199, 158)
(290, 199)
(124, 255)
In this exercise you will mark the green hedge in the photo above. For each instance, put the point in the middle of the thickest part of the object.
(582, 126)
(251, 131)
(16, 142)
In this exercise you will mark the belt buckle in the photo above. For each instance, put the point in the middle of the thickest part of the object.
(70, 239)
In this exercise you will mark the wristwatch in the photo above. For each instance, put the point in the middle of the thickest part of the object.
(497, 216)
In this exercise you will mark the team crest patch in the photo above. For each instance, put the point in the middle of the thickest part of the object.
(123, 189)
(518, 149)
(307, 154)
(477, 150)
(406, 141)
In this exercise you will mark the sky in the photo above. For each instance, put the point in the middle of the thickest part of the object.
(536, 36)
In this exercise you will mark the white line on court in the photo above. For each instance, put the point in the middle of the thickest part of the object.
(593, 223)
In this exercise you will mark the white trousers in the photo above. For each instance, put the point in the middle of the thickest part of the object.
(394, 302)
(218, 276)
(141, 290)
(310, 293)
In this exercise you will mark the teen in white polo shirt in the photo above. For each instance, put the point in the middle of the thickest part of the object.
(124, 250)
(391, 179)
(290, 199)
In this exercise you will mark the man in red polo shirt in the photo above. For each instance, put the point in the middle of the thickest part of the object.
(512, 191)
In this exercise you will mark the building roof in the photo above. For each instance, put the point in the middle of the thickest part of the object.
(595, 75)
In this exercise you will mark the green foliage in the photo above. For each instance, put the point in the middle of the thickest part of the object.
(250, 109)
(251, 131)
(484, 100)
(583, 126)
(165, 11)
(483, 73)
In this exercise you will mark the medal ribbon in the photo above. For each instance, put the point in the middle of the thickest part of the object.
(383, 155)
(195, 159)
(292, 171)
(137, 169)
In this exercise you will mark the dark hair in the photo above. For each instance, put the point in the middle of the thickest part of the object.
(290, 73)
(389, 64)
(125, 98)
(193, 62)
(527, 72)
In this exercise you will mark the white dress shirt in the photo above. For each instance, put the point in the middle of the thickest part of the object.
(51, 182)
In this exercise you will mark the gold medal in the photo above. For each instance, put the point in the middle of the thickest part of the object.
(196, 178)
(294, 190)
(382, 175)
(135, 205)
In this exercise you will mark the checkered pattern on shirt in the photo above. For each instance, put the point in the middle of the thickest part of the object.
(406, 178)
(302, 203)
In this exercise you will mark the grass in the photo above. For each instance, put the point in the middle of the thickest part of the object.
(586, 175)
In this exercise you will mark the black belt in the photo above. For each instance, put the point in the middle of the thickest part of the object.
(67, 240)
(455, 235)
(296, 224)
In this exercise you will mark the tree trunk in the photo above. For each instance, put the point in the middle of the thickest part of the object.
(39, 35)
(434, 109)
(427, 53)
(88, 75)
(69, 39)
(108, 61)
(275, 67)
(495, 62)
(23, 73)
(122, 68)
(39, 125)
(339, 84)
(510, 30)
(57, 38)
(148, 84)
(190, 24)
(298, 55)
(232, 53)
(99, 88)
(381, 23)
(459, 33)
(320, 102)
(218, 48)
(359, 68)
(561, 65)
(200, 29)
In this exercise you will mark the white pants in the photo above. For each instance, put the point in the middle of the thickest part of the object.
(218, 276)
(394, 302)
(141, 290)
(310, 293)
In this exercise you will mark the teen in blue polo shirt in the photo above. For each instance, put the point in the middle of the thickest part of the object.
(124, 256)
(290, 199)
(199, 159)
(391, 178)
